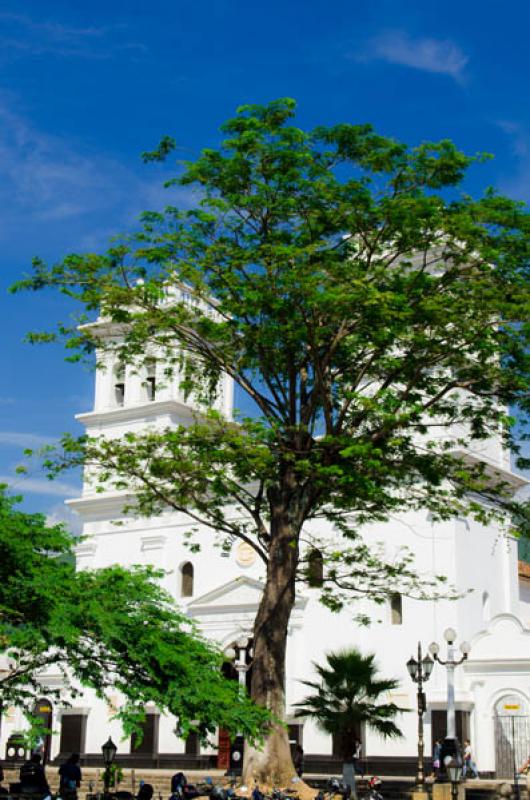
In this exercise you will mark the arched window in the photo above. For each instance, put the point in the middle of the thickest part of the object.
(186, 581)
(396, 609)
(485, 607)
(315, 568)
(150, 380)
(119, 385)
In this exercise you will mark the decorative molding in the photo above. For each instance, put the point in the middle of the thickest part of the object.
(85, 550)
(155, 542)
(218, 600)
(69, 711)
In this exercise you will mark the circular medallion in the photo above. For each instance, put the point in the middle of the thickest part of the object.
(245, 555)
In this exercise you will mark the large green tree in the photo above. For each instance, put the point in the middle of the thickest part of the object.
(112, 629)
(374, 317)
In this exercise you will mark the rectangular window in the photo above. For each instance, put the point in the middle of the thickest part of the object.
(150, 380)
(119, 393)
(151, 388)
(193, 744)
(73, 733)
(396, 609)
(149, 743)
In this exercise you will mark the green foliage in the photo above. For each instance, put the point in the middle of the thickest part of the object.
(112, 629)
(347, 696)
(375, 317)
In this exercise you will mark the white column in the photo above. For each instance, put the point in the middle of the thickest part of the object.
(451, 717)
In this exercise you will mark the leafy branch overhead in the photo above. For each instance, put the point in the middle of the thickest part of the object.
(114, 630)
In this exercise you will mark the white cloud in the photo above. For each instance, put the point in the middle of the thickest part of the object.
(430, 55)
(62, 513)
(19, 439)
(26, 485)
(516, 184)
(47, 180)
(21, 35)
(518, 135)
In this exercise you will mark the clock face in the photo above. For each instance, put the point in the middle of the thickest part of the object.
(245, 555)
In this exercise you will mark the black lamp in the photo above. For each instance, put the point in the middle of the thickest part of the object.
(428, 664)
(412, 667)
(109, 751)
(454, 770)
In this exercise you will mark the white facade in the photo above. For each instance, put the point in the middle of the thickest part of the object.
(493, 613)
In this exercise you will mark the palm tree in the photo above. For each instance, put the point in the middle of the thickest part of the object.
(348, 695)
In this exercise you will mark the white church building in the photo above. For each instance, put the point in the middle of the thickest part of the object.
(221, 591)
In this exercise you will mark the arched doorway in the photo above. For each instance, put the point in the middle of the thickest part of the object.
(43, 711)
(512, 734)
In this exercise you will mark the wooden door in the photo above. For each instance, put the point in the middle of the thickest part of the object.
(223, 752)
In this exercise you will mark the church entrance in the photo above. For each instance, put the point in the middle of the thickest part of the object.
(512, 735)
(43, 711)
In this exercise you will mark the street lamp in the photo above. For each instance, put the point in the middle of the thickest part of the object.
(241, 663)
(453, 768)
(109, 751)
(420, 671)
(242, 647)
(450, 746)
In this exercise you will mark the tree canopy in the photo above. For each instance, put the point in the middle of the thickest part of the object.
(373, 315)
(111, 629)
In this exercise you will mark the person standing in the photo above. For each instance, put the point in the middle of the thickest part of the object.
(33, 777)
(357, 758)
(70, 777)
(298, 760)
(437, 758)
(469, 763)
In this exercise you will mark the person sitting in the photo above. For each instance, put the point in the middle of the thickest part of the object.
(180, 788)
(146, 792)
(33, 777)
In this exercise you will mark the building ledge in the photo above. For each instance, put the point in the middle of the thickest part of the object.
(496, 472)
(108, 501)
(151, 408)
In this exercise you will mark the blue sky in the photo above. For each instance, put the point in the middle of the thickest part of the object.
(86, 87)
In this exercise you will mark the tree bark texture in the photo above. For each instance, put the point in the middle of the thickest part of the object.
(273, 764)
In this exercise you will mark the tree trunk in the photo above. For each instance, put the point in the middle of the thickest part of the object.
(273, 764)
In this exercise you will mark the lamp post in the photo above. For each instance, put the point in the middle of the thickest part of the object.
(241, 666)
(420, 671)
(109, 751)
(450, 746)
